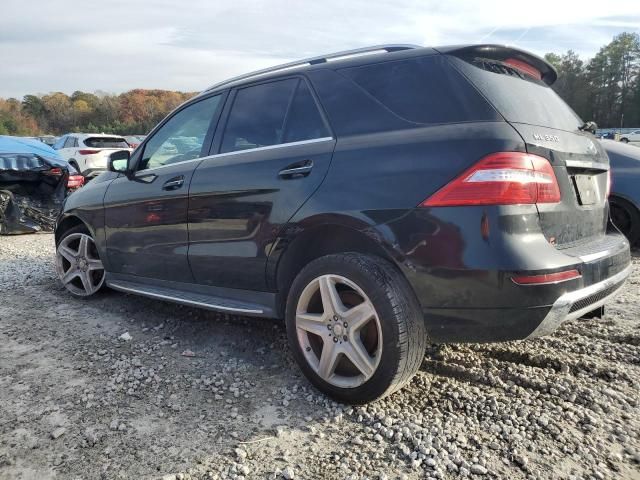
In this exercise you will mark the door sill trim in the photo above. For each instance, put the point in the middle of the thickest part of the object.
(141, 291)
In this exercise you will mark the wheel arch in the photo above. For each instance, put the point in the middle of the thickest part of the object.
(67, 223)
(318, 241)
(626, 202)
(617, 197)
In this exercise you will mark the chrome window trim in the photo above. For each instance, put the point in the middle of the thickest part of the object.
(237, 152)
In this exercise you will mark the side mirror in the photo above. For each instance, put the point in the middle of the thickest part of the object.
(119, 162)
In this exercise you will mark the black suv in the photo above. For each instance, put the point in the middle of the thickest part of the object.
(378, 200)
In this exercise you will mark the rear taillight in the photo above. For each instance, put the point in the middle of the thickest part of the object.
(609, 182)
(88, 152)
(54, 172)
(75, 181)
(504, 178)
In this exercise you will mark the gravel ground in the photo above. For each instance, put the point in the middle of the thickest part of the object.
(125, 387)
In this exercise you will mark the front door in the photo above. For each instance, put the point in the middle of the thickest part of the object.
(271, 156)
(146, 212)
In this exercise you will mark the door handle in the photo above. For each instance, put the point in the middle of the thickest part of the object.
(297, 170)
(173, 184)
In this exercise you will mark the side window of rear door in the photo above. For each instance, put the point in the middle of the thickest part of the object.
(70, 142)
(304, 121)
(258, 115)
(274, 113)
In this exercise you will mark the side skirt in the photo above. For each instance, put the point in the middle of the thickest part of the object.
(227, 300)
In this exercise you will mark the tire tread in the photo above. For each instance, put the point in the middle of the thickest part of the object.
(412, 337)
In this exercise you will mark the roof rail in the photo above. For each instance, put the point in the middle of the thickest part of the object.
(316, 60)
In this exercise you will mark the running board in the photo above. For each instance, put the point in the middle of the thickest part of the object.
(200, 300)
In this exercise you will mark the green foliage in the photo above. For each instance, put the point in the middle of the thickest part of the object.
(607, 88)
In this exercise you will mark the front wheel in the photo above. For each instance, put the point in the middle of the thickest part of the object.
(355, 327)
(78, 264)
(624, 140)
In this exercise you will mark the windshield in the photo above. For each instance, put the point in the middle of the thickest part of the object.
(519, 98)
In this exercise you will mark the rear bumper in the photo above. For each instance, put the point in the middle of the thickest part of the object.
(461, 272)
(579, 302)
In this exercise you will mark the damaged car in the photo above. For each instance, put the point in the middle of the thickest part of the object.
(34, 181)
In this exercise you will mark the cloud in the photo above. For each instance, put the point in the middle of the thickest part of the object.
(118, 45)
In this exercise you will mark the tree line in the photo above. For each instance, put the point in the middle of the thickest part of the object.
(133, 112)
(605, 89)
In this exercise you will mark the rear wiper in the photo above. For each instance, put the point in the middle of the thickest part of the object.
(589, 127)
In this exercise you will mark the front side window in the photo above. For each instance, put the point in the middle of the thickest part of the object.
(181, 138)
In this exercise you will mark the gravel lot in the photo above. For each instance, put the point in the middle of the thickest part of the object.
(125, 387)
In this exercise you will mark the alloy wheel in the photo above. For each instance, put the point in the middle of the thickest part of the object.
(339, 331)
(78, 265)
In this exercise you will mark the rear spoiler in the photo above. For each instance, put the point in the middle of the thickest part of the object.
(501, 53)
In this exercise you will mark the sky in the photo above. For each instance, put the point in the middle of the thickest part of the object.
(118, 45)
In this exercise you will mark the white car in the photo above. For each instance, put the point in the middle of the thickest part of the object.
(89, 153)
(630, 137)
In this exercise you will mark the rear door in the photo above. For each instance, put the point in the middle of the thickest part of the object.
(552, 130)
(271, 155)
(146, 213)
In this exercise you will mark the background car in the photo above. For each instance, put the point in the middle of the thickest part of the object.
(48, 139)
(34, 180)
(624, 199)
(89, 153)
(630, 137)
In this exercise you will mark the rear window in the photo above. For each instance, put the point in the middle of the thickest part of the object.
(424, 90)
(106, 142)
(519, 98)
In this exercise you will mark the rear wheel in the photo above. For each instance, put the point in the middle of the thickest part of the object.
(626, 217)
(355, 327)
(78, 264)
(624, 140)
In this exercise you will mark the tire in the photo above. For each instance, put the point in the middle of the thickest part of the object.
(624, 140)
(377, 289)
(78, 263)
(626, 217)
(75, 165)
